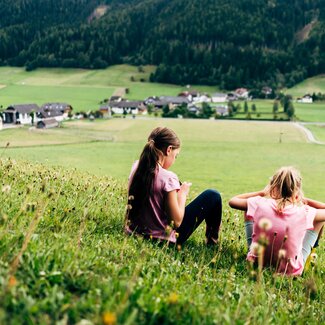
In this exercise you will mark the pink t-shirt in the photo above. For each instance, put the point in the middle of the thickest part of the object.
(154, 221)
(284, 231)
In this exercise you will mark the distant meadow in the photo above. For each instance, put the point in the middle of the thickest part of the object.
(86, 90)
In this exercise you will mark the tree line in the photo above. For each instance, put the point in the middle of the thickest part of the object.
(230, 43)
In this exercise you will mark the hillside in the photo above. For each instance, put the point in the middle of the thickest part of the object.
(64, 259)
(226, 43)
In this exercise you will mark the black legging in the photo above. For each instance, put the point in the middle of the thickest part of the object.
(207, 206)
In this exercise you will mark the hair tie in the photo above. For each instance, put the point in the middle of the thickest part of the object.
(151, 141)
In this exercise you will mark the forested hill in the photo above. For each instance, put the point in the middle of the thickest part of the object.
(226, 42)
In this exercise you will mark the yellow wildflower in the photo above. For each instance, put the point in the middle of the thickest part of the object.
(173, 298)
(109, 318)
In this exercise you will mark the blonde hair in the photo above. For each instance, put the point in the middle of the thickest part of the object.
(286, 186)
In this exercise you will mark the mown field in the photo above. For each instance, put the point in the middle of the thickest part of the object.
(83, 89)
(64, 257)
(223, 154)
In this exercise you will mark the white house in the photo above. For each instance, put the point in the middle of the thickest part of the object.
(306, 99)
(21, 114)
(129, 107)
(219, 98)
(222, 110)
(242, 93)
(202, 99)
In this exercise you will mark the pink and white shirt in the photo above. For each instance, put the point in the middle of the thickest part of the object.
(285, 232)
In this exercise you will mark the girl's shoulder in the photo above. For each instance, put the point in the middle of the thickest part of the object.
(162, 172)
(261, 200)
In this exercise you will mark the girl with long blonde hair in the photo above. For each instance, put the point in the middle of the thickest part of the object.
(282, 220)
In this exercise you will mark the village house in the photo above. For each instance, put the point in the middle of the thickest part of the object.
(242, 93)
(219, 98)
(231, 97)
(152, 100)
(129, 107)
(115, 99)
(47, 123)
(20, 114)
(59, 111)
(266, 91)
(106, 111)
(174, 100)
(306, 99)
(202, 99)
(191, 95)
(156, 102)
(194, 109)
(222, 110)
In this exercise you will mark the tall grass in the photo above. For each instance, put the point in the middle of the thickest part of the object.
(64, 258)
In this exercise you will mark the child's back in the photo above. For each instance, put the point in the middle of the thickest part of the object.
(281, 233)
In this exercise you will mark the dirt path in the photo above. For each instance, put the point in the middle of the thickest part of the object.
(119, 92)
(308, 133)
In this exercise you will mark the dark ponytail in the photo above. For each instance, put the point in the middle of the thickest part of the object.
(143, 179)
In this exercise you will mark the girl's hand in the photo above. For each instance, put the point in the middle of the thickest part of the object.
(265, 191)
(185, 188)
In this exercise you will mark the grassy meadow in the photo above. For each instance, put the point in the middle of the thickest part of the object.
(83, 89)
(226, 152)
(64, 257)
(308, 86)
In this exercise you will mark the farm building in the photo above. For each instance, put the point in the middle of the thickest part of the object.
(266, 91)
(20, 114)
(129, 107)
(307, 99)
(174, 100)
(47, 124)
(190, 95)
(242, 93)
(222, 110)
(156, 102)
(59, 111)
(106, 111)
(219, 98)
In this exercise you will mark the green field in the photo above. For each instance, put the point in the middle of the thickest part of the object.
(310, 112)
(226, 152)
(318, 131)
(64, 257)
(83, 89)
(308, 86)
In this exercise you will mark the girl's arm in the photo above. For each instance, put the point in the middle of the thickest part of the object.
(320, 215)
(239, 201)
(315, 204)
(175, 204)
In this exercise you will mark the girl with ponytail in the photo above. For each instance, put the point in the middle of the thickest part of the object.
(280, 223)
(156, 198)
